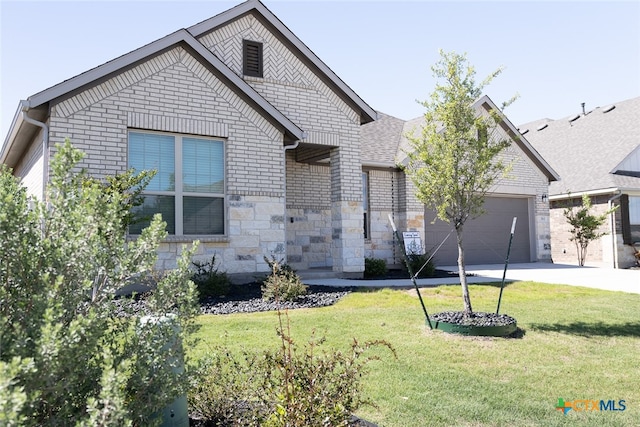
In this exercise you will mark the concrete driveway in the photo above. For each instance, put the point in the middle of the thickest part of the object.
(564, 274)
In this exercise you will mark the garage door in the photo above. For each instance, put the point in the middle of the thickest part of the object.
(486, 238)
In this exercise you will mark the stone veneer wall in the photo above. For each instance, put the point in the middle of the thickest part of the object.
(383, 200)
(308, 215)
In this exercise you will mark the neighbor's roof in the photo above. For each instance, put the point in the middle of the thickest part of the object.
(384, 141)
(588, 150)
(20, 131)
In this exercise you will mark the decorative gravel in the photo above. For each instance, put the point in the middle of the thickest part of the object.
(246, 299)
(476, 319)
(249, 300)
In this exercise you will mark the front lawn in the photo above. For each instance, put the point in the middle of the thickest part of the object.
(576, 344)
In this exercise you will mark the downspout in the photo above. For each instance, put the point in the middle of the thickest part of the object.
(284, 194)
(45, 144)
(612, 216)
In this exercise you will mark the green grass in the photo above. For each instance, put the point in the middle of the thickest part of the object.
(577, 343)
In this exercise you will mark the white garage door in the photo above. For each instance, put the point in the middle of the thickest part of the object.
(486, 238)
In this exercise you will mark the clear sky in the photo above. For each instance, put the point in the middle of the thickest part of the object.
(556, 54)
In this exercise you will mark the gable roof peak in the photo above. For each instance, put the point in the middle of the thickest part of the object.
(367, 114)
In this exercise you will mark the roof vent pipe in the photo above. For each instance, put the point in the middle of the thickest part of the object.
(584, 113)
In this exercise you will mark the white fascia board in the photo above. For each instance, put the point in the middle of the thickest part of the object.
(551, 174)
(182, 36)
(11, 135)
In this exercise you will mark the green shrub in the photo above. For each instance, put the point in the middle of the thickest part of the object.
(210, 282)
(68, 353)
(283, 283)
(374, 267)
(289, 387)
(417, 262)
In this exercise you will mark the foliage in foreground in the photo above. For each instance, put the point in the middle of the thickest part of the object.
(283, 284)
(68, 354)
(289, 387)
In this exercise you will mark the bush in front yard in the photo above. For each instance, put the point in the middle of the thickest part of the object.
(283, 283)
(292, 386)
(209, 280)
(68, 354)
(374, 267)
(417, 262)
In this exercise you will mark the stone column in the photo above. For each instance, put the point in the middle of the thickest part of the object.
(347, 222)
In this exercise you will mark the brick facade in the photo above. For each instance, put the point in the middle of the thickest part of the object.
(174, 92)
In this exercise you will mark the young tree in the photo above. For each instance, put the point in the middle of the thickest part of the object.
(454, 161)
(584, 226)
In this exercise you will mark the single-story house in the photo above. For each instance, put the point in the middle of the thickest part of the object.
(597, 153)
(261, 149)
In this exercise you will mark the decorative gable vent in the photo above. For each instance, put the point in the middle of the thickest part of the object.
(251, 58)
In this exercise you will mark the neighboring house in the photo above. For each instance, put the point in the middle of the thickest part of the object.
(260, 151)
(596, 153)
(522, 194)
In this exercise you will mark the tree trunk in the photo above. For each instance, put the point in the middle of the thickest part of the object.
(463, 274)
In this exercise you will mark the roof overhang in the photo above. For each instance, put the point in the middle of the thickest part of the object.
(68, 88)
(486, 103)
(600, 192)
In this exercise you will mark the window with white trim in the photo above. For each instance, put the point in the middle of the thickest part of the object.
(188, 188)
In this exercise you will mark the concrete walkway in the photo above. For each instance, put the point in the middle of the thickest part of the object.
(593, 277)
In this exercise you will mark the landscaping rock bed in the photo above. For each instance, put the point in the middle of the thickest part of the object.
(477, 324)
(247, 299)
(476, 319)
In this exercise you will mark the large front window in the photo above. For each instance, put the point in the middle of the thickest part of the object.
(188, 188)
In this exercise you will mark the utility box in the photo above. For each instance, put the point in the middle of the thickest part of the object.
(176, 414)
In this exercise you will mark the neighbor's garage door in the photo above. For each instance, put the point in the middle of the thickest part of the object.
(486, 238)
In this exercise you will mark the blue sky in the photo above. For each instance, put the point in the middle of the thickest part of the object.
(556, 54)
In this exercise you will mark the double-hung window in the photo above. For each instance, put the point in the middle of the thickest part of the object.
(188, 188)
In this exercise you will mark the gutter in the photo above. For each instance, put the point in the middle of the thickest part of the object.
(612, 217)
(579, 194)
(24, 106)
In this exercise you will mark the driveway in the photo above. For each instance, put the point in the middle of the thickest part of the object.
(564, 274)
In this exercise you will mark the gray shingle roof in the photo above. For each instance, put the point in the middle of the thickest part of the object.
(587, 150)
(383, 142)
(380, 140)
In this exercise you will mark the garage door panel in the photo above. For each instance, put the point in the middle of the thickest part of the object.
(486, 238)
